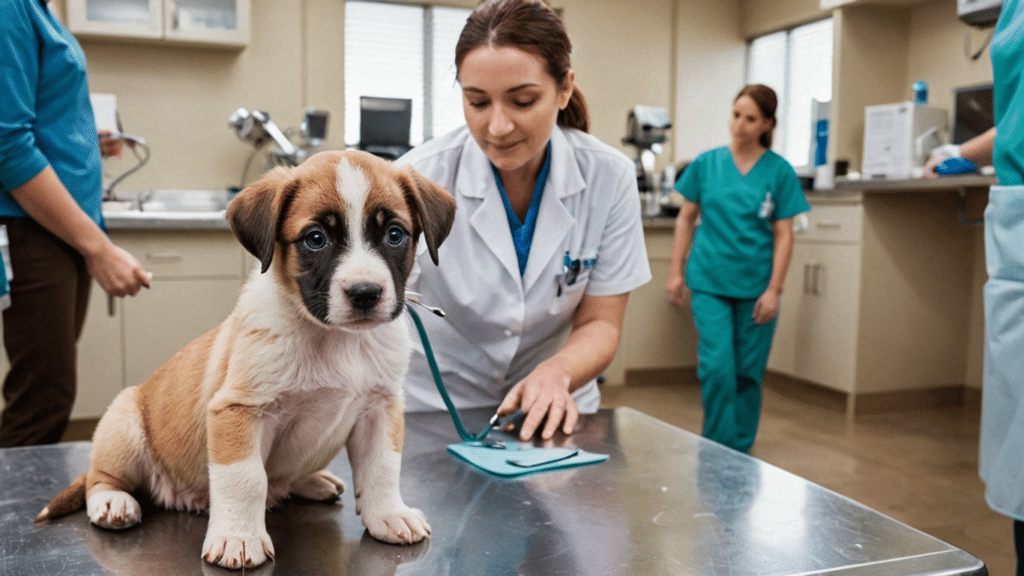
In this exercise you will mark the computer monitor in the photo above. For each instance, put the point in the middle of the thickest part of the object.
(972, 112)
(384, 125)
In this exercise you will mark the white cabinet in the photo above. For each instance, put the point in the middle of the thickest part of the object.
(878, 298)
(655, 335)
(816, 333)
(198, 22)
(197, 276)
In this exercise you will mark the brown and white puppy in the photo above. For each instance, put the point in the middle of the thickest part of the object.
(311, 360)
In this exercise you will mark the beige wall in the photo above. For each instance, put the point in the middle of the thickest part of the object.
(765, 16)
(710, 55)
(937, 55)
(179, 99)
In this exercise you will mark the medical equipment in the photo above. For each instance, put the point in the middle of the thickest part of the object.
(891, 133)
(258, 129)
(428, 351)
(979, 12)
(646, 129)
(494, 456)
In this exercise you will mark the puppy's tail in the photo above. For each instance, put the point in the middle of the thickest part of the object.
(72, 499)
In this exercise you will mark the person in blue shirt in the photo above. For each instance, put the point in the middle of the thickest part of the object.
(50, 200)
(745, 196)
(1002, 407)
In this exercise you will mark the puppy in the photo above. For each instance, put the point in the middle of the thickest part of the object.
(311, 359)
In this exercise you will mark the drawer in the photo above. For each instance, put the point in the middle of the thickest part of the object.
(833, 223)
(190, 254)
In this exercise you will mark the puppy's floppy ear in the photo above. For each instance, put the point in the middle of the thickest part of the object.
(252, 215)
(432, 206)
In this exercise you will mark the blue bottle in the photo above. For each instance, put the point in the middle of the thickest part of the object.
(920, 92)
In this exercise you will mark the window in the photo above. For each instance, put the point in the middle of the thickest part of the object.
(403, 51)
(797, 64)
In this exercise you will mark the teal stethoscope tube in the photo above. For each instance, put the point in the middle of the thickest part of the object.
(429, 353)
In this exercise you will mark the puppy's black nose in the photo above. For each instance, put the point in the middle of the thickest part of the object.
(364, 296)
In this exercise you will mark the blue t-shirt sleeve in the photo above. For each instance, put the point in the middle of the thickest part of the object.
(20, 158)
(789, 195)
(689, 184)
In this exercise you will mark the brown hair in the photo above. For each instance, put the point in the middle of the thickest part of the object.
(767, 102)
(532, 26)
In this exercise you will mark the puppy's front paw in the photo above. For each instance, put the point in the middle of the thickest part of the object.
(400, 525)
(319, 486)
(238, 550)
(113, 510)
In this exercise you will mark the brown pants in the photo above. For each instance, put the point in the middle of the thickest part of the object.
(49, 297)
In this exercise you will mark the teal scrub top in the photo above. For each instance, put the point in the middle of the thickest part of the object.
(1007, 51)
(732, 249)
(45, 115)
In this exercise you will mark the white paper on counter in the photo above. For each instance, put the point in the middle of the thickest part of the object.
(104, 110)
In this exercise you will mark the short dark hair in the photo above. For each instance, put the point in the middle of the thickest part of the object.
(532, 26)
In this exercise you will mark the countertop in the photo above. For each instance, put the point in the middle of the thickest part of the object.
(665, 502)
(184, 220)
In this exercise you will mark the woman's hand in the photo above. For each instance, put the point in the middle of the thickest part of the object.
(767, 306)
(678, 293)
(544, 397)
(110, 147)
(117, 271)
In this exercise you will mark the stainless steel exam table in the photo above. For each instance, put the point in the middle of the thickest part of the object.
(665, 502)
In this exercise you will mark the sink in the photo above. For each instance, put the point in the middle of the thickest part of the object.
(168, 204)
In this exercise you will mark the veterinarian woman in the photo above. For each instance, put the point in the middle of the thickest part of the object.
(746, 196)
(50, 195)
(1002, 407)
(547, 241)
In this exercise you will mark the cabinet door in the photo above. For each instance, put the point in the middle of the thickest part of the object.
(100, 357)
(826, 317)
(793, 292)
(116, 18)
(160, 321)
(217, 22)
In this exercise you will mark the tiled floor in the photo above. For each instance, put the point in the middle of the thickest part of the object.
(917, 466)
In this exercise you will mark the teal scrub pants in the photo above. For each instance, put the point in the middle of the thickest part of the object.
(732, 353)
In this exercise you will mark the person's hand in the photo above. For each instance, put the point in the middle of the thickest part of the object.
(677, 290)
(117, 271)
(544, 397)
(767, 307)
(109, 146)
(937, 156)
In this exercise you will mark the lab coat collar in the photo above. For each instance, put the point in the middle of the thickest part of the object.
(554, 219)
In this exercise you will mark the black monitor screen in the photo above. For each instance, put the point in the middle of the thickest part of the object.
(384, 121)
(972, 112)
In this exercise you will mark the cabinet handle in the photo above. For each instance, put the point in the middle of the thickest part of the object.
(817, 275)
(829, 225)
(165, 257)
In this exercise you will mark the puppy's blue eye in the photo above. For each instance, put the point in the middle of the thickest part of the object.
(315, 240)
(395, 236)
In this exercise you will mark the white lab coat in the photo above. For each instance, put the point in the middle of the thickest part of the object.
(500, 325)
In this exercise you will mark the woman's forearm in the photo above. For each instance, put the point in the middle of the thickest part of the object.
(45, 199)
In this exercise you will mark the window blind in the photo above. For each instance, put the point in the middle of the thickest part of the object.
(403, 51)
(797, 64)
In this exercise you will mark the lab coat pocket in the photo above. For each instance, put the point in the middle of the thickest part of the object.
(568, 296)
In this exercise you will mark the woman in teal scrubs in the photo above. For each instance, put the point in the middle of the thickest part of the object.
(746, 196)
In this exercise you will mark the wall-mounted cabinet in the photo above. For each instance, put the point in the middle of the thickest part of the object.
(215, 23)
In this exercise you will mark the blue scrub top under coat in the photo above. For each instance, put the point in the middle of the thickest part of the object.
(522, 232)
(732, 249)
